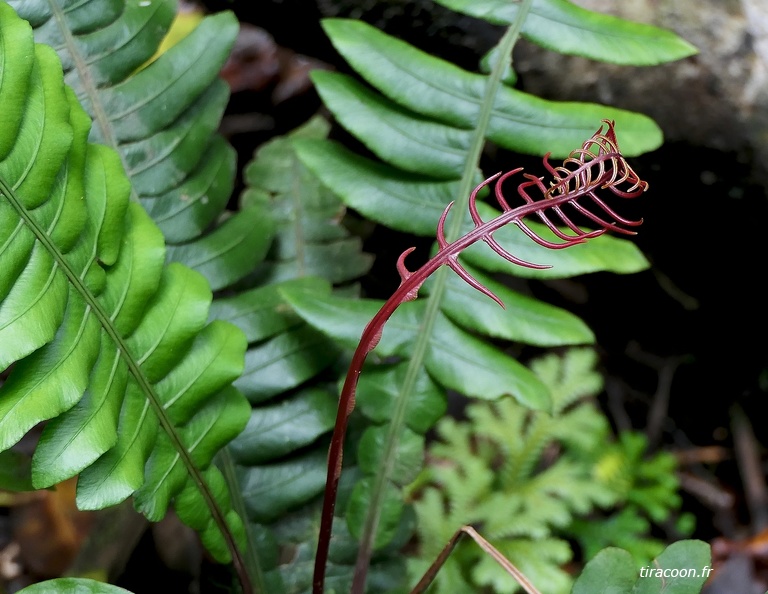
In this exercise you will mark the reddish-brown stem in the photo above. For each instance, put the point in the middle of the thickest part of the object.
(611, 169)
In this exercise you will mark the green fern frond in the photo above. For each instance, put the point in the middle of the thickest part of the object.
(104, 339)
(539, 560)
(569, 378)
(565, 27)
(310, 240)
(646, 488)
(526, 478)
(161, 119)
(625, 529)
(279, 459)
(427, 120)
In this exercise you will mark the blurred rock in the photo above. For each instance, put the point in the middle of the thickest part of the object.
(258, 63)
(717, 99)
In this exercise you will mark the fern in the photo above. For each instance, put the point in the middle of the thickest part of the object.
(564, 27)
(529, 478)
(279, 458)
(427, 121)
(646, 488)
(161, 119)
(106, 341)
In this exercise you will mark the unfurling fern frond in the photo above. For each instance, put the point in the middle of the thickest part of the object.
(107, 343)
(598, 166)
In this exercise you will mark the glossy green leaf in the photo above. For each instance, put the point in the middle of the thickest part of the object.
(72, 586)
(284, 362)
(379, 387)
(231, 251)
(161, 118)
(215, 425)
(564, 27)
(344, 319)
(456, 359)
(109, 345)
(414, 144)
(407, 461)
(523, 319)
(278, 429)
(186, 211)
(403, 201)
(261, 312)
(271, 490)
(473, 367)
(440, 90)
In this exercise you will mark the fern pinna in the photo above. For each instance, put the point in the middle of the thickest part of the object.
(597, 167)
(107, 342)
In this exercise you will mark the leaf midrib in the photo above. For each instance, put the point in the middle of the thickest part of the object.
(99, 114)
(94, 305)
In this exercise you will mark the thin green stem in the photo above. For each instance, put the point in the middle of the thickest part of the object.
(432, 312)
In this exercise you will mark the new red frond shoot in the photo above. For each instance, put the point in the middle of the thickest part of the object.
(575, 188)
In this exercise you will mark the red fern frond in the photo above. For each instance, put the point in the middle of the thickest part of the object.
(598, 167)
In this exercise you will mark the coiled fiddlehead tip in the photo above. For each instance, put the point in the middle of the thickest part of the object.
(595, 167)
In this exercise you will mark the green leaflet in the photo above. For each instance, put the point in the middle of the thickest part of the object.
(379, 387)
(564, 27)
(613, 571)
(388, 498)
(409, 141)
(404, 201)
(280, 458)
(475, 369)
(523, 319)
(108, 344)
(414, 204)
(161, 119)
(72, 586)
(441, 91)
